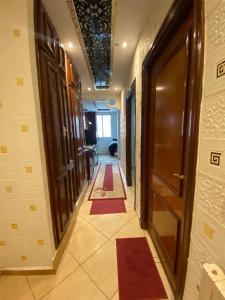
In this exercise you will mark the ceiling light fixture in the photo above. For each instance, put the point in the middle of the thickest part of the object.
(89, 89)
(70, 45)
(124, 44)
(116, 89)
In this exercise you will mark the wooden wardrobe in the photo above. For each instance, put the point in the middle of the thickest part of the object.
(62, 120)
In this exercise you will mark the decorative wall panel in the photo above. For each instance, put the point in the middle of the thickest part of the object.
(94, 22)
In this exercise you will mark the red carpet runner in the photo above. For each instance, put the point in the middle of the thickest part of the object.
(108, 178)
(108, 193)
(137, 272)
(107, 207)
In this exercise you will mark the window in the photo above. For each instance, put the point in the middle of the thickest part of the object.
(104, 126)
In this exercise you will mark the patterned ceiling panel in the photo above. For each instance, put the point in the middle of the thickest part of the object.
(95, 22)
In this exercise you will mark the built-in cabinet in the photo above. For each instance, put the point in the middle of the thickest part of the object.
(62, 118)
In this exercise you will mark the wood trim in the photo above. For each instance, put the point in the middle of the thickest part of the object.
(61, 247)
(132, 91)
(179, 9)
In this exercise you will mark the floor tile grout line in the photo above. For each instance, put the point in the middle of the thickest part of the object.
(94, 282)
(30, 287)
(109, 238)
(81, 266)
(68, 275)
(115, 294)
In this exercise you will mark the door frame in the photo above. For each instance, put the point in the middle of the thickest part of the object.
(131, 93)
(174, 17)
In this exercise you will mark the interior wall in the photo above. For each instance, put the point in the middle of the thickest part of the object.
(26, 238)
(151, 28)
(208, 228)
(103, 143)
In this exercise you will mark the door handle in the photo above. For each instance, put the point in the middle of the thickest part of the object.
(179, 176)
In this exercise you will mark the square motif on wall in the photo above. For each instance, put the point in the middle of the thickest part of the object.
(24, 128)
(8, 189)
(19, 82)
(28, 170)
(16, 33)
(220, 70)
(3, 149)
(215, 158)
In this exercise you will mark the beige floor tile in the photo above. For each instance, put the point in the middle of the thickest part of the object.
(102, 268)
(15, 288)
(85, 241)
(109, 224)
(116, 296)
(41, 285)
(127, 231)
(78, 286)
(165, 282)
(152, 247)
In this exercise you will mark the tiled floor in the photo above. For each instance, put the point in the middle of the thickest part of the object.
(106, 158)
(88, 270)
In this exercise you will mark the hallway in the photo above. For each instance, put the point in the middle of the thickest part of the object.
(112, 140)
(88, 270)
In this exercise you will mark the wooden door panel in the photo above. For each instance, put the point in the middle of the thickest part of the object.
(63, 201)
(169, 123)
(48, 39)
(166, 225)
(55, 120)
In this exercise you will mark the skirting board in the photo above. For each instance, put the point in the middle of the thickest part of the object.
(61, 248)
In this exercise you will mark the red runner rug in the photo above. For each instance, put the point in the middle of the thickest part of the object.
(108, 178)
(138, 276)
(108, 183)
(107, 207)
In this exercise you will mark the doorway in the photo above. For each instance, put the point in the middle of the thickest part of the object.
(131, 135)
(170, 118)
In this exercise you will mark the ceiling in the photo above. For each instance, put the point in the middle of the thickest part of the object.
(129, 18)
(100, 106)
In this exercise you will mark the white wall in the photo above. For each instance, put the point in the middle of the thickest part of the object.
(152, 25)
(208, 230)
(26, 239)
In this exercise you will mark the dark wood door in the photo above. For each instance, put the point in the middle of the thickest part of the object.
(169, 148)
(78, 138)
(55, 108)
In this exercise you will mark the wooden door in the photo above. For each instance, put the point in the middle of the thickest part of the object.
(78, 141)
(55, 108)
(169, 148)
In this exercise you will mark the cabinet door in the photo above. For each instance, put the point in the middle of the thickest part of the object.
(56, 123)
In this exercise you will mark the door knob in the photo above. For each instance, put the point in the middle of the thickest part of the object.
(179, 176)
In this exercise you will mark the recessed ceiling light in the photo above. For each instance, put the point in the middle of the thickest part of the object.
(89, 89)
(124, 44)
(115, 88)
(70, 45)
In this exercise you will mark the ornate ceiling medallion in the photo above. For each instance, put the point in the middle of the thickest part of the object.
(94, 22)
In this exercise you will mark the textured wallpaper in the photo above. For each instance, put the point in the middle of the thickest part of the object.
(208, 228)
(26, 239)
